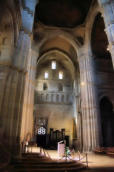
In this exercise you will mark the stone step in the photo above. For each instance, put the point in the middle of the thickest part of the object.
(32, 161)
(36, 163)
(44, 162)
(46, 165)
(31, 154)
(64, 169)
(47, 162)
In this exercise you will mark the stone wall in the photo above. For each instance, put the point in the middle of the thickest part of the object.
(59, 116)
(55, 103)
(104, 78)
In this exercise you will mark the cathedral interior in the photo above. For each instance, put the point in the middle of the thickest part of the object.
(56, 74)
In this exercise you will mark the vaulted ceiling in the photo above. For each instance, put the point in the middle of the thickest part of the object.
(70, 14)
(62, 13)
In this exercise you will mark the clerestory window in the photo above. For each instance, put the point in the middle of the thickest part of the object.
(53, 65)
(60, 75)
(46, 75)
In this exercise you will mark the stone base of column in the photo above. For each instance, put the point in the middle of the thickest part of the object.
(15, 148)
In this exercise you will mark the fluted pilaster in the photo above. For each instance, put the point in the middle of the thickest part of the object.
(15, 77)
(27, 114)
(89, 107)
(13, 81)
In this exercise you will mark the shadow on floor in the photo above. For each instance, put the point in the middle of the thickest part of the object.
(106, 169)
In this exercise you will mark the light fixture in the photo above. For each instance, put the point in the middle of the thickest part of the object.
(82, 83)
(108, 49)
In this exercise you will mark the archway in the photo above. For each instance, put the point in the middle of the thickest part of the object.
(103, 78)
(56, 104)
(107, 122)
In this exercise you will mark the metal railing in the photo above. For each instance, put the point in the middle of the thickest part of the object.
(44, 152)
(81, 158)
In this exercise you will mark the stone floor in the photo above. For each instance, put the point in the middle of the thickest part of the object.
(100, 163)
(96, 163)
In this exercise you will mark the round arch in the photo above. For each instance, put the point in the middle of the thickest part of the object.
(58, 52)
(89, 24)
(62, 35)
(7, 36)
(63, 89)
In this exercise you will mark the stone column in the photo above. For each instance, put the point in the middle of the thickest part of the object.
(16, 85)
(28, 105)
(26, 62)
(108, 14)
(13, 76)
(27, 13)
(89, 109)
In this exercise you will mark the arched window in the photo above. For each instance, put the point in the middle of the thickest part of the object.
(60, 75)
(45, 86)
(53, 65)
(46, 75)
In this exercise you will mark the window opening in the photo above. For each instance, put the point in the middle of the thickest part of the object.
(46, 75)
(60, 75)
(45, 87)
(53, 65)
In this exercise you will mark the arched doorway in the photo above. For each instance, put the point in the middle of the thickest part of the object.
(107, 122)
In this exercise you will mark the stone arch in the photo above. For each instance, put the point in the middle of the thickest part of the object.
(89, 24)
(99, 57)
(66, 37)
(99, 44)
(62, 35)
(16, 20)
(42, 57)
(7, 36)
